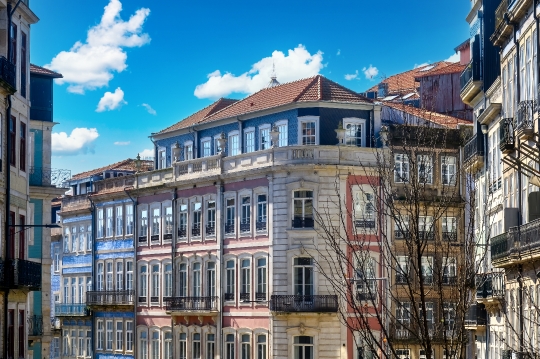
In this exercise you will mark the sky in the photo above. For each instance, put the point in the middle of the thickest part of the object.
(132, 68)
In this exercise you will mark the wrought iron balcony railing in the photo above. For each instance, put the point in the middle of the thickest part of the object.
(260, 296)
(245, 296)
(303, 222)
(210, 229)
(229, 296)
(180, 304)
(35, 325)
(182, 231)
(401, 234)
(525, 114)
(304, 303)
(499, 246)
(471, 73)
(7, 73)
(245, 227)
(71, 310)
(46, 176)
(506, 135)
(25, 273)
(476, 315)
(196, 230)
(449, 280)
(260, 226)
(112, 297)
(229, 228)
(364, 223)
(474, 147)
(449, 236)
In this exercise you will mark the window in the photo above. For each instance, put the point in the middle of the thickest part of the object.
(261, 346)
(22, 146)
(216, 142)
(449, 228)
(303, 347)
(89, 237)
(167, 290)
(448, 170)
(188, 151)
(100, 223)
(449, 270)
(119, 221)
(109, 327)
(119, 335)
(246, 346)
(143, 229)
(196, 280)
(429, 315)
(66, 290)
(261, 212)
(210, 218)
(154, 298)
(196, 222)
(129, 219)
(143, 276)
(82, 237)
(401, 168)
(129, 275)
(364, 210)
(56, 259)
(230, 288)
(211, 279)
(156, 217)
(245, 287)
(303, 209)
(182, 221)
(206, 145)
(308, 132)
(182, 346)
(425, 169)
(182, 279)
(168, 223)
(155, 345)
(403, 353)
(143, 345)
(283, 133)
(230, 211)
(196, 346)
(81, 290)
(109, 276)
(229, 346)
(74, 241)
(403, 311)
(168, 350)
(233, 144)
(249, 140)
(366, 285)
(129, 335)
(162, 155)
(427, 269)
(245, 221)
(119, 275)
(109, 221)
(210, 346)
(100, 276)
(261, 279)
(354, 133)
(449, 317)
(402, 269)
(66, 239)
(12, 139)
(425, 227)
(73, 343)
(303, 276)
(264, 138)
(73, 290)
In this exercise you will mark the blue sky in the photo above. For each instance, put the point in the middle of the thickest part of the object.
(136, 71)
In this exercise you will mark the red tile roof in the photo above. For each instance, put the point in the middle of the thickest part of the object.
(450, 69)
(435, 117)
(405, 82)
(316, 88)
(35, 69)
(125, 165)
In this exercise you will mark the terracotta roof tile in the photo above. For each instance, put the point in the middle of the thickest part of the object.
(435, 117)
(35, 69)
(450, 69)
(125, 165)
(199, 116)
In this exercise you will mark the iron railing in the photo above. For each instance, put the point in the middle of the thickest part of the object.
(449, 236)
(260, 296)
(35, 325)
(196, 230)
(449, 279)
(245, 296)
(528, 234)
(71, 310)
(471, 73)
(229, 296)
(506, 135)
(7, 72)
(364, 223)
(210, 230)
(229, 228)
(401, 234)
(46, 176)
(499, 246)
(245, 227)
(179, 304)
(304, 303)
(182, 231)
(474, 147)
(25, 273)
(260, 226)
(525, 114)
(476, 315)
(111, 297)
(303, 222)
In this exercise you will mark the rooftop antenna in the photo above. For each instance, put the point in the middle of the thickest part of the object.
(273, 79)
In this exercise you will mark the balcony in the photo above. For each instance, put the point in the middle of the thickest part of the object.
(399, 234)
(499, 246)
(20, 273)
(525, 119)
(71, 310)
(473, 153)
(426, 235)
(210, 230)
(47, 177)
(229, 296)
(245, 227)
(364, 223)
(502, 29)
(260, 296)
(7, 75)
(112, 298)
(192, 304)
(506, 135)
(35, 325)
(196, 230)
(260, 226)
(476, 316)
(470, 81)
(304, 303)
(182, 231)
(229, 228)
(3, 282)
(449, 236)
(449, 280)
(245, 296)
(302, 222)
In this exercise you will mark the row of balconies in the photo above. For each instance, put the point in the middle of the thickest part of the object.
(278, 303)
(514, 242)
(20, 273)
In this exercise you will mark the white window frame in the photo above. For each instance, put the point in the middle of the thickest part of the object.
(167, 279)
(167, 222)
(231, 150)
(230, 279)
(188, 151)
(249, 147)
(130, 223)
(424, 164)
(183, 211)
(155, 283)
(143, 284)
(100, 338)
(162, 157)
(119, 336)
(261, 271)
(364, 213)
(355, 121)
(143, 226)
(129, 325)
(283, 139)
(268, 143)
(119, 220)
(303, 119)
(401, 175)
(206, 141)
(448, 178)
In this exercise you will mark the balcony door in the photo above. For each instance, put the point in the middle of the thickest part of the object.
(303, 276)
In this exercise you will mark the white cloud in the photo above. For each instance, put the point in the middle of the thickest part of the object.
(147, 153)
(80, 141)
(90, 65)
(351, 76)
(370, 72)
(454, 58)
(149, 109)
(111, 100)
(122, 143)
(338, 52)
(297, 64)
(421, 65)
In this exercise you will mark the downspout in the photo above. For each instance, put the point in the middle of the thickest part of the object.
(8, 176)
(93, 224)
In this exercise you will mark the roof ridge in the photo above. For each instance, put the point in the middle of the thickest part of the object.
(347, 89)
(305, 88)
